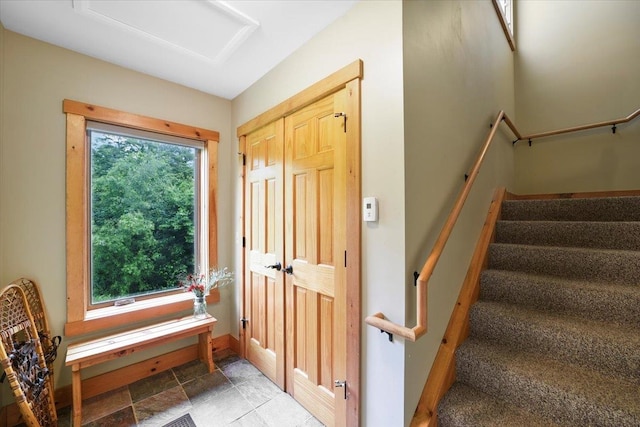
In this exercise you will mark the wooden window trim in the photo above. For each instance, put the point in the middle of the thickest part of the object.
(508, 33)
(79, 319)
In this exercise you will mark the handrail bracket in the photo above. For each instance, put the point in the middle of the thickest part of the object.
(388, 333)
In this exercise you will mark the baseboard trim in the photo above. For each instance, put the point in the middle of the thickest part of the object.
(10, 414)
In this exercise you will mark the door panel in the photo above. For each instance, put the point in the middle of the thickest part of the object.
(315, 241)
(264, 287)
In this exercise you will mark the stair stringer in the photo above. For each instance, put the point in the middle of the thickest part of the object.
(442, 374)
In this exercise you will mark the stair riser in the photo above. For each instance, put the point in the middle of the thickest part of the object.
(622, 267)
(612, 352)
(562, 405)
(602, 235)
(593, 209)
(617, 304)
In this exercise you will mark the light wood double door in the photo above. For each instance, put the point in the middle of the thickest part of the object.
(295, 280)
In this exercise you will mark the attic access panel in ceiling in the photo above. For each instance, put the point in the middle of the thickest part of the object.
(221, 28)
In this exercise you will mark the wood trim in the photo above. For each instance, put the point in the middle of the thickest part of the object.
(136, 121)
(79, 321)
(242, 152)
(121, 377)
(76, 220)
(234, 345)
(584, 127)
(442, 374)
(585, 195)
(148, 309)
(308, 96)
(520, 137)
(503, 24)
(354, 230)
(226, 342)
(212, 163)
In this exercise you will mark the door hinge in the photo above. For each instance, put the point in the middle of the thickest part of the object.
(244, 158)
(244, 323)
(344, 118)
(244, 241)
(342, 384)
(345, 259)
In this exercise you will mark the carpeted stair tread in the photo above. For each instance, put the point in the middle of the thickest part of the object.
(560, 392)
(604, 265)
(625, 208)
(614, 303)
(604, 235)
(555, 334)
(464, 406)
(601, 346)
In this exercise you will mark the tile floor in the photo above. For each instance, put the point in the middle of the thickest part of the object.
(236, 394)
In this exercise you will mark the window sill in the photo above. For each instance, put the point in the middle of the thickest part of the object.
(113, 317)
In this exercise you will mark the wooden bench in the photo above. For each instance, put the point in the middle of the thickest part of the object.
(93, 352)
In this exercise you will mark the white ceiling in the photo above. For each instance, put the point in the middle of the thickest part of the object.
(218, 47)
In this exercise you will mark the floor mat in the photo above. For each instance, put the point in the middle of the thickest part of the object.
(183, 421)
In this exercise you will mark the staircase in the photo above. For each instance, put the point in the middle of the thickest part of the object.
(554, 338)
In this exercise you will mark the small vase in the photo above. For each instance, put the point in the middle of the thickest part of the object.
(199, 307)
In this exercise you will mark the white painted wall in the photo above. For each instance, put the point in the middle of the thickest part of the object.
(37, 77)
(458, 75)
(371, 31)
(577, 63)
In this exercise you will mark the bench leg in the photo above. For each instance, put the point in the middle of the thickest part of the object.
(76, 384)
(205, 349)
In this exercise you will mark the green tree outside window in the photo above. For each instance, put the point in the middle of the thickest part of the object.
(143, 204)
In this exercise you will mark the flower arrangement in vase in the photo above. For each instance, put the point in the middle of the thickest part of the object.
(201, 284)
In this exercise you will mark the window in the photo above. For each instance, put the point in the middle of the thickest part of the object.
(504, 9)
(145, 212)
(140, 213)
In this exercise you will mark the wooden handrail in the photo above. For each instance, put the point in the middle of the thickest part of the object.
(583, 127)
(378, 320)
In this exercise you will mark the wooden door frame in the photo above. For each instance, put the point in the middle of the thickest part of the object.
(348, 77)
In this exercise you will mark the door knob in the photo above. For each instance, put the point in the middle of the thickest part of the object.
(289, 270)
(276, 266)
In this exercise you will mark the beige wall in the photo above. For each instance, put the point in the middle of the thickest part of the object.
(458, 74)
(37, 77)
(1, 149)
(370, 31)
(429, 92)
(577, 63)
